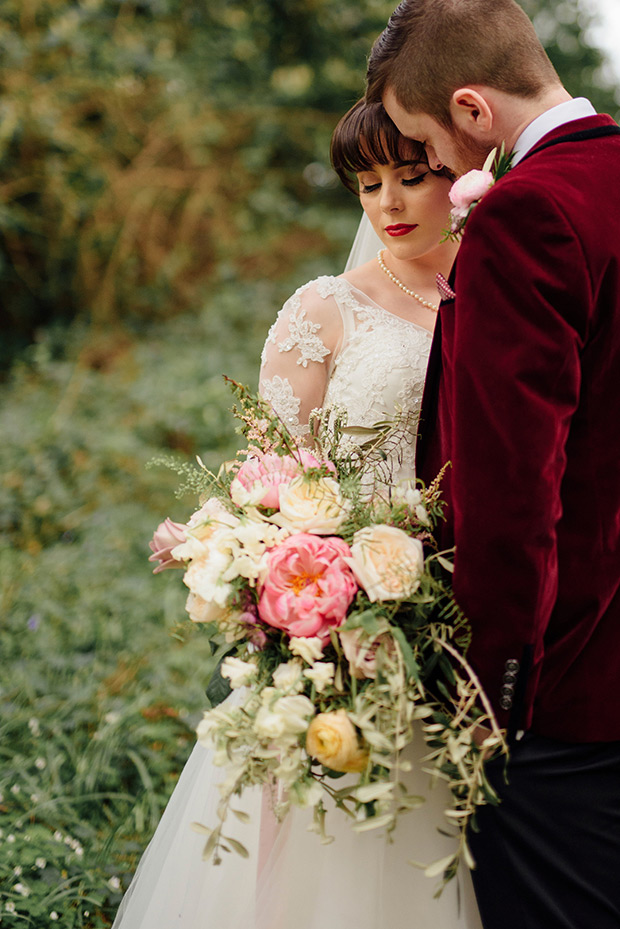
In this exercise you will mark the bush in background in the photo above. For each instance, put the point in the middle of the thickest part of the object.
(102, 677)
(152, 147)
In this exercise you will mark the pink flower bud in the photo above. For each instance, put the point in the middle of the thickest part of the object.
(167, 535)
(469, 188)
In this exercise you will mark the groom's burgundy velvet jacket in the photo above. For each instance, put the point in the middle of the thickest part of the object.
(523, 397)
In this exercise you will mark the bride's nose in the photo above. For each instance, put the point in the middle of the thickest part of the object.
(391, 198)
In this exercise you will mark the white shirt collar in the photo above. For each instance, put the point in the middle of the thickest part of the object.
(548, 121)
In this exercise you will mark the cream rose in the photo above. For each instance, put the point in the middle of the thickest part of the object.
(314, 506)
(386, 562)
(360, 650)
(332, 740)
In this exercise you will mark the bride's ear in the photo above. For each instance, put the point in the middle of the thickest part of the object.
(471, 111)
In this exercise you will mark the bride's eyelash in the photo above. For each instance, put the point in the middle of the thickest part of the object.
(412, 181)
(407, 181)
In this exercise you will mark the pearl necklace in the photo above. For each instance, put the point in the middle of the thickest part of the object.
(392, 277)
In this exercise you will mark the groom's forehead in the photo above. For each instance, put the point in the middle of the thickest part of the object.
(413, 125)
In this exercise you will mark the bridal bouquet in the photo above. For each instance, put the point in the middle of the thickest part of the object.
(332, 612)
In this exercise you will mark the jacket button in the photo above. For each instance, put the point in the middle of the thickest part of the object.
(507, 690)
(505, 703)
(512, 665)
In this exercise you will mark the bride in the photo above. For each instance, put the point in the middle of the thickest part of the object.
(359, 341)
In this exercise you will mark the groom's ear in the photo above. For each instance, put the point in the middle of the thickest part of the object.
(471, 111)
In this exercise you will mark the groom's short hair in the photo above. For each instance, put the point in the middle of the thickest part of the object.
(430, 48)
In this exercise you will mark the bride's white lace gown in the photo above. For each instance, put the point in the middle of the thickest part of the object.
(330, 345)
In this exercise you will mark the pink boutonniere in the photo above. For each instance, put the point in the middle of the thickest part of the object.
(466, 193)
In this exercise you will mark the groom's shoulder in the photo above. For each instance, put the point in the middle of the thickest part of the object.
(581, 153)
(568, 172)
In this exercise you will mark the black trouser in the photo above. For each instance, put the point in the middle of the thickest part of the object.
(548, 857)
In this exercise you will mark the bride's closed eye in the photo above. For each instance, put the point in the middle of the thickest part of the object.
(412, 181)
(405, 181)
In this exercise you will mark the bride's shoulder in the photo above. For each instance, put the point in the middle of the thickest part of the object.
(321, 288)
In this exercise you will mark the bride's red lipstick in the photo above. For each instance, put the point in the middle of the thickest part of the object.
(400, 229)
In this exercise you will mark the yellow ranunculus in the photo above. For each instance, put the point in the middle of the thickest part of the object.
(332, 740)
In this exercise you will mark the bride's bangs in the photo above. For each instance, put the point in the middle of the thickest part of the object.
(366, 136)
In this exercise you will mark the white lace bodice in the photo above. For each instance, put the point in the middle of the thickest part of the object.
(332, 346)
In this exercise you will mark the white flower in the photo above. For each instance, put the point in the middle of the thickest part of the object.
(33, 725)
(205, 575)
(10, 907)
(10, 839)
(202, 611)
(21, 889)
(307, 793)
(40, 863)
(40, 763)
(288, 676)
(54, 915)
(58, 836)
(268, 725)
(15, 788)
(288, 769)
(406, 493)
(314, 506)
(386, 562)
(17, 871)
(114, 883)
(240, 673)
(211, 514)
(205, 729)
(296, 711)
(310, 649)
(286, 717)
(321, 674)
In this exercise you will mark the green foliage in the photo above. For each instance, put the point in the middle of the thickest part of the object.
(147, 147)
(150, 148)
(102, 679)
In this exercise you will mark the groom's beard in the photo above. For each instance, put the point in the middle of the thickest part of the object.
(469, 153)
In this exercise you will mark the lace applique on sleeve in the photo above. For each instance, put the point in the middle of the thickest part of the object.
(303, 336)
(278, 392)
(294, 374)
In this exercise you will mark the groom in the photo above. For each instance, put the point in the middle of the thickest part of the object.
(523, 397)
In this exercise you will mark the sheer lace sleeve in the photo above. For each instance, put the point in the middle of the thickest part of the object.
(299, 353)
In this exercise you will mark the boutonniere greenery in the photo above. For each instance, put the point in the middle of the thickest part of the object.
(468, 191)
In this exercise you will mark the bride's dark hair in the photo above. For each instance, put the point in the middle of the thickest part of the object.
(366, 136)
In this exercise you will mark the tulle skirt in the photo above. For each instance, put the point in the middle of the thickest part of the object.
(291, 880)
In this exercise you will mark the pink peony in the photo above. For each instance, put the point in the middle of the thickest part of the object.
(258, 480)
(308, 586)
(469, 188)
(167, 536)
